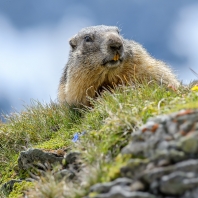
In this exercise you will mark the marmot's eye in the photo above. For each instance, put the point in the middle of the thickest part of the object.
(88, 39)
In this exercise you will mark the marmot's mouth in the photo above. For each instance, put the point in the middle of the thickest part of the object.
(116, 61)
(113, 62)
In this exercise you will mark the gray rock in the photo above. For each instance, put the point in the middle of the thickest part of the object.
(188, 166)
(65, 173)
(171, 127)
(164, 159)
(176, 183)
(136, 148)
(189, 144)
(37, 158)
(133, 168)
(72, 157)
(161, 119)
(120, 192)
(196, 126)
(137, 186)
(187, 115)
(150, 176)
(170, 156)
(191, 194)
(105, 187)
(73, 163)
(186, 126)
(8, 186)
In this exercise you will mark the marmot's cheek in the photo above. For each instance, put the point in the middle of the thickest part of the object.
(104, 49)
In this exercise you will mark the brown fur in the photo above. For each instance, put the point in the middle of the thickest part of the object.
(85, 74)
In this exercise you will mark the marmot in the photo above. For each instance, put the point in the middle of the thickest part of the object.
(101, 58)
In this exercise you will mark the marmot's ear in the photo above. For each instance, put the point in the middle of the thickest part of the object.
(73, 42)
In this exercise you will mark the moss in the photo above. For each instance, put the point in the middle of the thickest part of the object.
(92, 194)
(59, 140)
(8, 172)
(20, 189)
(113, 169)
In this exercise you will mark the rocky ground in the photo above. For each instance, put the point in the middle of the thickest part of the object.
(163, 161)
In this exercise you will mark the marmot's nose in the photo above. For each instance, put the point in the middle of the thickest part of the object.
(115, 44)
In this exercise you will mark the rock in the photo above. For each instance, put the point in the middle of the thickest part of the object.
(137, 186)
(72, 157)
(186, 115)
(186, 126)
(171, 127)
(150, 176)
(105, 187)
(133, 168)
(177, 183)
(168, 155)
(156, 173)
(191, 194)
(65, 173)
(73, 163)
(37, 162)
(189, 144)
(8, 186)
(120, 192)
(37, 158)
(164, 161)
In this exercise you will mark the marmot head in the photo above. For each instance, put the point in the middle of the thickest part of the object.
(98, 46)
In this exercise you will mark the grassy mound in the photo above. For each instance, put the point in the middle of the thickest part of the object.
(108, 126)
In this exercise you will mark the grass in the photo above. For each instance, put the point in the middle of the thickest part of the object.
(108, 127)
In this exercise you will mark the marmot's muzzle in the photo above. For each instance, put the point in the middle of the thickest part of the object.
(116, 57)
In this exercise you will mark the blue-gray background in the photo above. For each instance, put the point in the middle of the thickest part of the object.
(34, 38)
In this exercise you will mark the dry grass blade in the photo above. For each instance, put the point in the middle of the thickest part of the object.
(193, 71)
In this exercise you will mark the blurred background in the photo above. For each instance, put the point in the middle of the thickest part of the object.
(34, 40)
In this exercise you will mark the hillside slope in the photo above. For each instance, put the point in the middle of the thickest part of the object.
(53, 151)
